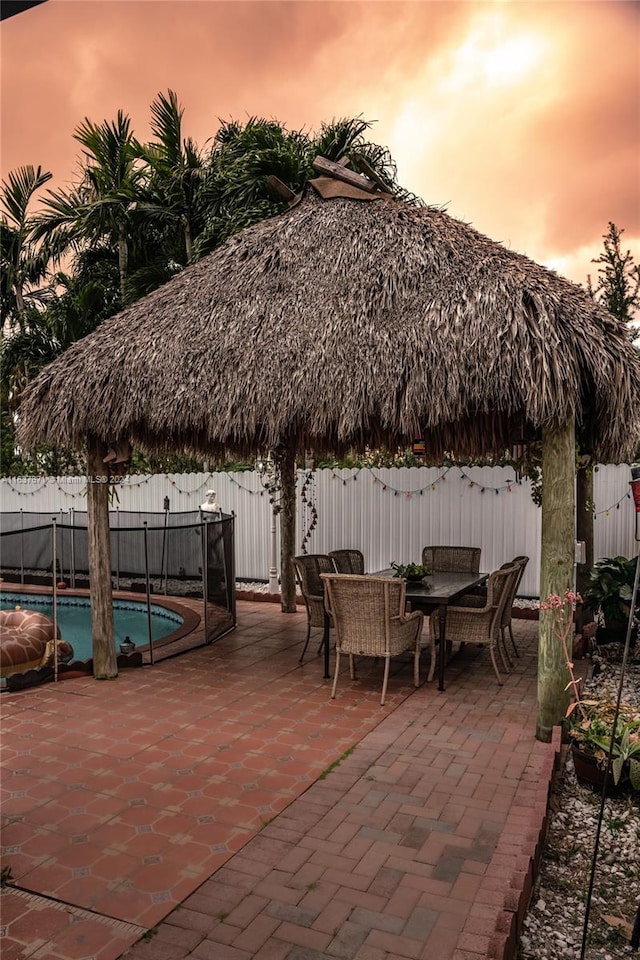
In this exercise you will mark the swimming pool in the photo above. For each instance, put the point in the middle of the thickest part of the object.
(74, 619)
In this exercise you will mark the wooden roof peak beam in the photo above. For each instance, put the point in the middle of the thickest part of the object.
(338, 172)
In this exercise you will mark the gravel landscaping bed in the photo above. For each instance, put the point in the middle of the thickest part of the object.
(553, 927)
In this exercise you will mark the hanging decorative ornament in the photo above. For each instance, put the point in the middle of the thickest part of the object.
(310, 513)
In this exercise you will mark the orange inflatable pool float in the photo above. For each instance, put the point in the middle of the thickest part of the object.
(27, 642)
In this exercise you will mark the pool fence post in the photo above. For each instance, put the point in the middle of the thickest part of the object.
(163, 565)
(22, 546)
(205, 577)
(73, 546)
(118, 549)
(61, 528)
(146, 571)
(54, 560)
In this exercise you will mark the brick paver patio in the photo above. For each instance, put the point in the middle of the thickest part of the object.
(220, 805)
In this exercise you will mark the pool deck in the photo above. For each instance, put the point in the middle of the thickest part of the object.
(220, 805)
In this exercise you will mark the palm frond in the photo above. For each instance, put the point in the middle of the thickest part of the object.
(17, 191)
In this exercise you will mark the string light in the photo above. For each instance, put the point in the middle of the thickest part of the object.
(508, 484)
(409, 494)
(242, 487)
(613, 506)
(307, 496)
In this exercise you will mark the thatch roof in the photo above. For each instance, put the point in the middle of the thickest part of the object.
(343, 323)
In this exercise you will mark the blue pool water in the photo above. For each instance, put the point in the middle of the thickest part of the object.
(74, 619)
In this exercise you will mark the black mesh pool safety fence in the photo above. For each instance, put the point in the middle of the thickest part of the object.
(172, 554)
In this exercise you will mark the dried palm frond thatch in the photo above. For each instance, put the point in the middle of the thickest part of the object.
(340, 323)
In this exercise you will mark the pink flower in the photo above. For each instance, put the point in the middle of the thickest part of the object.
(554, 601)
(572, 597)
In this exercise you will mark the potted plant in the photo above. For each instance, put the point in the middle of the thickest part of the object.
(410, 571)
(589, 724)
(609, 592)
(589, 728)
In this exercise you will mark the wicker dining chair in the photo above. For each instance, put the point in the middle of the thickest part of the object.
(369, 620)
(479, 597)
(452, 559)
(309, 567)
(478, 625)
(348, 561)
(507, 615)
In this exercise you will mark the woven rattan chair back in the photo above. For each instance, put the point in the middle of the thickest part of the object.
(369, 621)
(507, 613)
(478, 598)
(478, 625)
(452, 559)
(309, 567)
(348, 561)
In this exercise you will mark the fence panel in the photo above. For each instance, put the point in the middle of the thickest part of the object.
(387, 513)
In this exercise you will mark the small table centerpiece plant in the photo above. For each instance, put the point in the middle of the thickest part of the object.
(410, 571)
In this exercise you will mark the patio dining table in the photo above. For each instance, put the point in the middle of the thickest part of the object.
(435, 592)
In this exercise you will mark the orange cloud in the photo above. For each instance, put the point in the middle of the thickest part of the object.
(522, 117)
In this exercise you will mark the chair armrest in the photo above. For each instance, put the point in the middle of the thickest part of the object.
(473, 610)
(471, 600)
(404, 632)
(414, 615)
(459, 617)
(406, 617)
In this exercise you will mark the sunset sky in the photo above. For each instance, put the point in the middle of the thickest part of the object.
(522, 118)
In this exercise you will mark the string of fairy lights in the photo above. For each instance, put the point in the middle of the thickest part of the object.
(35, 487)
(614, 506)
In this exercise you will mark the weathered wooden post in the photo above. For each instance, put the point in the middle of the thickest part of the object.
(584, 532)
(287, 455)
(105, 666)
(556, 570)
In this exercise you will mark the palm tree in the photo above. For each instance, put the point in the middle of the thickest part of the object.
(176, 170)
(103, 206)
(23, 262)
(345, 139)
(80, 302)
(23, 268)
(255, 169)
(241, 167)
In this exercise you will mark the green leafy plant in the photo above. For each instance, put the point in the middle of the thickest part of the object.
(589, 723)
(410, 571)
(591, 729)
(610, 587)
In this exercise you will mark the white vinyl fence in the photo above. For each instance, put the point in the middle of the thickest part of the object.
(388, 514)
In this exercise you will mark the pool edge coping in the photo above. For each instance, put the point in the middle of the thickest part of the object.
(190, 619)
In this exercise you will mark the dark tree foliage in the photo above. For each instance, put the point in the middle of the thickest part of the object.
(135, 216)
(618, 282)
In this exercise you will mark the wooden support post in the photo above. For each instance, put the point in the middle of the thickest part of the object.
(584, 531)
(556, 571)
(288, 529)
(105, 665)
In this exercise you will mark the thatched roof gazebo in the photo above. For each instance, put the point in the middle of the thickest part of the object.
(348, 320)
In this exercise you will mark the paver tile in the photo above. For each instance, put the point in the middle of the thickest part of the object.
(194, 806)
